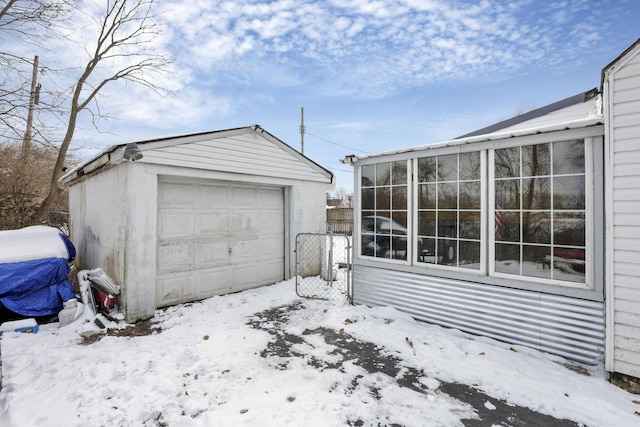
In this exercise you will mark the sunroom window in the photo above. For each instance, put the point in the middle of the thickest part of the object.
(384, 210)
(449, 210)
(540, 211)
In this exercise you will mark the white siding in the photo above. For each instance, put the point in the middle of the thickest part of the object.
(622, 89)
(246, 153)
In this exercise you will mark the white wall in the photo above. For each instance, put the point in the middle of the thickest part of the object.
(113, 227)
(622, 112)
(114, 223)
(98, 223)
(139, 270)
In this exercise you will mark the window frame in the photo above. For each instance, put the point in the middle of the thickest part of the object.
(589, 219)
(409, 208)
(592, 289)
(482, 271)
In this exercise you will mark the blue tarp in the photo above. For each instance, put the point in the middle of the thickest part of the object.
(34, 266)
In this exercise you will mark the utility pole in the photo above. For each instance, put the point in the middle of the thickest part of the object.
(302, 130)
(33, 100)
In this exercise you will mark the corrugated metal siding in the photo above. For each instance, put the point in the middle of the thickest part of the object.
(625, 152)
(245, 153)
(565, 326)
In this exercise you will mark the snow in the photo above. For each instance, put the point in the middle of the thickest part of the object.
(31, 243)
(218, 362)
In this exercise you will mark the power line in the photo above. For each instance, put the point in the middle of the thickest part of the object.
(335, 143)
(341, 170)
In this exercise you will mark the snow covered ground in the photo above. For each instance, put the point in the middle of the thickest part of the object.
(259, 358)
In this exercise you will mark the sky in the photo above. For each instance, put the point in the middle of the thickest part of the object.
(371, 75)
(267, 357)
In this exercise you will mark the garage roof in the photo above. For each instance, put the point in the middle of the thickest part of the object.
(248, 150)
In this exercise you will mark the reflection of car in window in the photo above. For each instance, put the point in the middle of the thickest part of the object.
(383, 237)
(566, 259)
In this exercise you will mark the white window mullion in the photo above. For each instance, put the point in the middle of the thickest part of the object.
(487, 210)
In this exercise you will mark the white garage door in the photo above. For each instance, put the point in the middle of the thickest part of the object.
(217, 237)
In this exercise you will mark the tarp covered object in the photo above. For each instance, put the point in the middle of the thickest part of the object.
(34, 266)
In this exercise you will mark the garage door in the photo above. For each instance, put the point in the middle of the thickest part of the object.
(217, 237)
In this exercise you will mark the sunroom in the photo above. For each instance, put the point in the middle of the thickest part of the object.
(497, 233)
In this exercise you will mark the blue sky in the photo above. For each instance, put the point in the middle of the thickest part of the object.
(371, 75)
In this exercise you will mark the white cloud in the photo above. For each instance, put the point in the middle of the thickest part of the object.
(371, 47)
(230, 52)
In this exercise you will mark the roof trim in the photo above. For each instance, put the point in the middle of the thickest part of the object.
(607, 69)
(575, 124)
(539, 112)
(113, 153)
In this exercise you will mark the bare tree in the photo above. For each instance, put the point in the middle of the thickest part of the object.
(23, 22)
(341, 193)
(24, 181)
(125, 30)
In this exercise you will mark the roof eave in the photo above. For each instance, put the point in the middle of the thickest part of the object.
(575, 124)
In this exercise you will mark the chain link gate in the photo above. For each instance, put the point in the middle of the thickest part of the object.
(323, 266)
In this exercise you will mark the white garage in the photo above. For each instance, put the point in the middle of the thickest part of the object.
(194, 216)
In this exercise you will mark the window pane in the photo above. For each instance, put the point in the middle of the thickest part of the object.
(536, 193)
(470, 225)
(383, 198)
(399, 173)
(383, 246)
(383, 174)
(510, 227)
(568, 264)
(536, 160)
(447, 223)
(470, 166)
(469, 255)
(569, 229)
(569, 192)
(383, 222)
(568, 157)
(447, 196)
(507, 258)
(368, 198)
(368, 244)
(448, 168)
(367, 222)
(427, 223)
(536, 259)
(427, 196)
(447, 252)
(427, 250)
(398, 248)
(470, 195)
(368, 175)
(427, 169)
(507, 162)
(399, 199)
(536, 227)
(508, 194)
(399, 223)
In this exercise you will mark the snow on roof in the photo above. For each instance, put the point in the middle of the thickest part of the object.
(582, 112)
